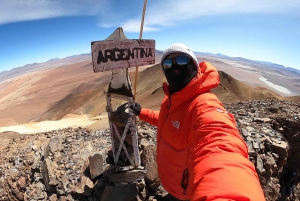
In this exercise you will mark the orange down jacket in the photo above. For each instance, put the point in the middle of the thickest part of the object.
(200, 153)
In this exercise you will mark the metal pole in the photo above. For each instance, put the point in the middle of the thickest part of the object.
(141, 33)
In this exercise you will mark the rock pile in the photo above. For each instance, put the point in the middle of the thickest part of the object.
(77, 164)
(271, 130)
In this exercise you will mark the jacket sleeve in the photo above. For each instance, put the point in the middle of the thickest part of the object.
(220, 166)
(149, 116)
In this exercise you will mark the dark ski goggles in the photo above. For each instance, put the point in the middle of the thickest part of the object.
(180, 60)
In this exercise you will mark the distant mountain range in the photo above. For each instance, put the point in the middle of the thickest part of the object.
(52, 63)
(56, 62)
(254, 62)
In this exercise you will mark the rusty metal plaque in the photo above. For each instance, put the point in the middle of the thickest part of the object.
(110, 55)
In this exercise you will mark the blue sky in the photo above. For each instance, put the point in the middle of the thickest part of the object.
(36, 31)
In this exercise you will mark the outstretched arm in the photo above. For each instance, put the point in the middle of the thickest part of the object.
(150, 116)
(221, 169)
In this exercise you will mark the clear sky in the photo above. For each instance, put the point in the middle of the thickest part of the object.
(36, 31)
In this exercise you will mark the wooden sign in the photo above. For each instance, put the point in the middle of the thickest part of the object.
(110, 55)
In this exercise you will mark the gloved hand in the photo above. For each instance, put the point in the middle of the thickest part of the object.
(136, 108)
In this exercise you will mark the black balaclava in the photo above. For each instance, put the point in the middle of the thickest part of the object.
(180, 76)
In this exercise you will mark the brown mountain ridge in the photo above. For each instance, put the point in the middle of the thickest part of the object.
(53, 92)
(89, 98)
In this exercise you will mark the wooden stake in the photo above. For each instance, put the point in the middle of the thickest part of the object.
(141, 33)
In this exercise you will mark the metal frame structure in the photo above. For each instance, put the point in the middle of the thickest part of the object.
(115, 134)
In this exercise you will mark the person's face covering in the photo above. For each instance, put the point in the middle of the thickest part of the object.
(179, 71)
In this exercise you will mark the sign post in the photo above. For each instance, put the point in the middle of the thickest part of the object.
(117, 54)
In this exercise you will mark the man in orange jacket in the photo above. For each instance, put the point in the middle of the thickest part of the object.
(200, 153)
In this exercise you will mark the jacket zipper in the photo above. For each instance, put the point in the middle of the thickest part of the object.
(185, 180)
(168, 109)
(170, 100)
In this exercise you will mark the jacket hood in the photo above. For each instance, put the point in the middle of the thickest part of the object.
(206, 79)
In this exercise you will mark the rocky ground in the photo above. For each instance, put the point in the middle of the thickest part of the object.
(77, 164)
(271, 130)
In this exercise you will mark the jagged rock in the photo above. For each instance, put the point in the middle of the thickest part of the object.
(55, 143)
(255, 145)
(260, 166)
(244, 133)
(127, 177)
(149, 158)
(270, 166)
(22, 183)
(143, 191)
(96, 165)
(48, 170)
(281, 148)
(262, 120)
(53, 197)
(65, 183)
(17, 193)
(86, 151)
(85, 186)
(250, 147)
(36, 162)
